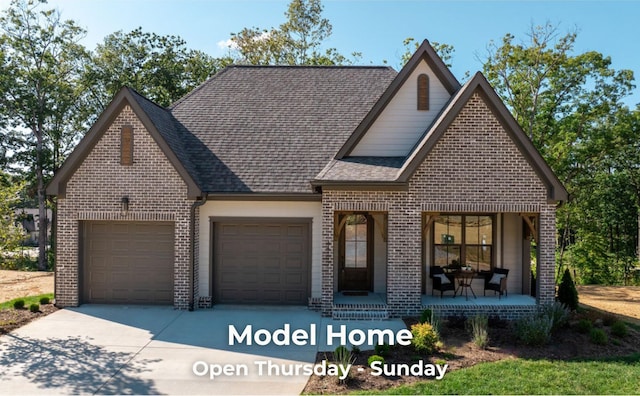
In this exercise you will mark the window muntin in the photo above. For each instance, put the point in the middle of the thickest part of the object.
(463, 240)
(355, 243)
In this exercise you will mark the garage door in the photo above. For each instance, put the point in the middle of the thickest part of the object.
(128, 262)
(262, 262)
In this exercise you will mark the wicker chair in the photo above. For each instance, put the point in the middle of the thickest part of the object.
(496, 280)
(441, 281)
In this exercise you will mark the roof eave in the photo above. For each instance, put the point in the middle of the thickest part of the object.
(361, 185)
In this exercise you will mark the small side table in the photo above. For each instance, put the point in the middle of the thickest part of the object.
(464, 279)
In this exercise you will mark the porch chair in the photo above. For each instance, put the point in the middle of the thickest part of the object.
(496, 280)
(441, 281)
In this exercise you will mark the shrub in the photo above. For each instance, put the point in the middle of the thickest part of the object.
(598, 336)
(343, 358)
(567, 292)
(584, 326)
(558, 313)
(382, 349)
(374, 358)
(496, 322)
(44, 301)
(18, 304)
(425, 316)
(534, 329)
(34, 308)
(478, 326)
(425, 337)
(619, 329)
(355, 349)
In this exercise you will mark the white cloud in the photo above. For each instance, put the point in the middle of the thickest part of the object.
(224, 44)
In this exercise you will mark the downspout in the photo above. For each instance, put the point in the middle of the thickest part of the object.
(192, 258)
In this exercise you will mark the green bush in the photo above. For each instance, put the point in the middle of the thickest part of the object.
(567, 292)
(558, 313)
(18, 304)
(598, 336)
(584, 326)
(355, 349)
(374, 358)
(44, 301)
(34, 308)
(382, 349)
(425, 316)
(425, 337)
(619, 329)
(479, 330)
(534, 329)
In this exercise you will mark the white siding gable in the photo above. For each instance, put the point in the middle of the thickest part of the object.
(398, 128)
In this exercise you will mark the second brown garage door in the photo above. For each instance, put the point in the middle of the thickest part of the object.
(127, 262)
(261, 262)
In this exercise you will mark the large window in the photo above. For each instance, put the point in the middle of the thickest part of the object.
(460, 240)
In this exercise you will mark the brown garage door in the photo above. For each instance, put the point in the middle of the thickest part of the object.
(262, 262)
(127, 262)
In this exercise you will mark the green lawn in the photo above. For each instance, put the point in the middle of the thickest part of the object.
(520, 376)
(27, 301)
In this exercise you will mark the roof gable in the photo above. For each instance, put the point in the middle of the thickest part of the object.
(555, 189)
(424, 60)
(157, 121)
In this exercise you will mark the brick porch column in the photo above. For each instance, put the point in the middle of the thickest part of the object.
(546, 255)
(403, 262)
(327, 256)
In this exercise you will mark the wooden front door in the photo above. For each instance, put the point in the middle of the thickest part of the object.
(356, 256)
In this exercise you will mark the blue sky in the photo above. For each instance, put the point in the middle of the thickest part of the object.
(377, 28)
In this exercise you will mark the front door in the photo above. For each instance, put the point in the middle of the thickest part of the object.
(356, 253)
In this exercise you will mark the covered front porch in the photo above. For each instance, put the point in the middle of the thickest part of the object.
(366, 249)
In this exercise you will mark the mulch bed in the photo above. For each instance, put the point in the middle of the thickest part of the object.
(11, 319)
(460, 352)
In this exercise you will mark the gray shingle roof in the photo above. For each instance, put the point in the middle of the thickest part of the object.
(271, 128)
(360, 169)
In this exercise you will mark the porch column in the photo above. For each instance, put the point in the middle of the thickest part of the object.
(546, 255)
(404, 270)
(327, 256)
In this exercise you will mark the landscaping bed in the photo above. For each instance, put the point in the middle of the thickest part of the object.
(568, 343)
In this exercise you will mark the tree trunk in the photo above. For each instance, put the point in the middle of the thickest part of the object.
(42, 207)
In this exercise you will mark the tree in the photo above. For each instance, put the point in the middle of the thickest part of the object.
(159, 67)
(567, 292)
(564, 102)
(444, 51)
(41, 60)
(298, 41)
(10, 232)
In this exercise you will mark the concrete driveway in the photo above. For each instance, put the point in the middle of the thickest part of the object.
(99, 349)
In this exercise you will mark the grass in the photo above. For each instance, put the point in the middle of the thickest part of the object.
(27, 301)
(520, 376)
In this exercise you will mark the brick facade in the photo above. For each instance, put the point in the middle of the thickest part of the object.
(156, 193)
(474, 168)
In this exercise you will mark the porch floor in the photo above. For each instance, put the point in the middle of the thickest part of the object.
(370, 299)
(510, 300)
